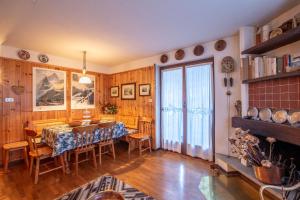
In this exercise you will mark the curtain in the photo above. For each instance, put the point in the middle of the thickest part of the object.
(199, 111)
(171, 104)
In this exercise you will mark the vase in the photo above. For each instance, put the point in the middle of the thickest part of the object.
(271, 176)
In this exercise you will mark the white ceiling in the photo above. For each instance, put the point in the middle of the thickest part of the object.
(118, 31)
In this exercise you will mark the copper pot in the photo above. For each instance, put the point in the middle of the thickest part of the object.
(271, 176)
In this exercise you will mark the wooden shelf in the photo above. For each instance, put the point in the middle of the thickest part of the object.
(246, 171)
(277, 76)
(282, 132)
(286, 38)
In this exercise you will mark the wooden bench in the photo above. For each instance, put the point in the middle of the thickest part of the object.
(39, 125)
(131, 122)
(15, 146)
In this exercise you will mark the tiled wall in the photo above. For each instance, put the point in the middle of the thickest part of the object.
(277, 94)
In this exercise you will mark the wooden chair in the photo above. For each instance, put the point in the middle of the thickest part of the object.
(106, 139)
(84, 136)
(14, 146)
(143, 135)
(40, 153)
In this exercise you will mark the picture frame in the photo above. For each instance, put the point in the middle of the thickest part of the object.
(47, 83)
(145, 89)
(82, 95)
(114, 91)
(128, 91)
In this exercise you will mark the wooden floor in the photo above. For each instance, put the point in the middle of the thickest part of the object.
(161, 174)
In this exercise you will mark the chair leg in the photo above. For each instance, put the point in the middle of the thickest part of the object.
(37, 170)
(31, 165)
(26, 156)
(76, 163)
(140, 147)
(69, 156)
(6, 160)
(150, 146)
(94, 159)
(100, 155)
(129, 147)
(113, 150)
(55, 161)
(62, 162)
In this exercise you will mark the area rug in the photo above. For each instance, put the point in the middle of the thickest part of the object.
(103, 183)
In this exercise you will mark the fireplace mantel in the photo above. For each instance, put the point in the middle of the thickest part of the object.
(282, 132)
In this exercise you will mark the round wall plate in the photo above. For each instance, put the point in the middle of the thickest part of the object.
(43, 58)
(179, 55)
(198, 50)
(23, 54)
(220, 45)
(164, 58)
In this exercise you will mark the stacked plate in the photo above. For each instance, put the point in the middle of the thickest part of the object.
(252, 113)
(294, 117)
(277, 116)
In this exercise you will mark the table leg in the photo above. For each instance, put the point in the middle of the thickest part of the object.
(68, 171)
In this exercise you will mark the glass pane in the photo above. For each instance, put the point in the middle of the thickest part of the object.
(172, 117)
(199, 110)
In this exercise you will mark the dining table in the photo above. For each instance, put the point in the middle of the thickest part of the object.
(62, 139)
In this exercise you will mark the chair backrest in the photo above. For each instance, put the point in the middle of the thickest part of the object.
(107, 117)
(31, 136)
(106, 131)
(84, 136)
(145, 125)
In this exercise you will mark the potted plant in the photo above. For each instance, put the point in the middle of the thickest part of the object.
(110, 109)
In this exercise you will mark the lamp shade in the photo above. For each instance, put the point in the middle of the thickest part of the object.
(85, 80)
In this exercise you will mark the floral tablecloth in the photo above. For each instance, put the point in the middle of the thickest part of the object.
(61, 137)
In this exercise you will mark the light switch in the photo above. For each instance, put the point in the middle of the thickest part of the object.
(9, 100)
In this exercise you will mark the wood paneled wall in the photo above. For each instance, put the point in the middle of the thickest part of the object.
(15, 115)
(142, 105)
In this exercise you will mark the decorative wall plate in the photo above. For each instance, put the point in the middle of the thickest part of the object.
(179, 55)
(18, 89)
(279, 116)
(227, 64)
(265, 114)
(275, 32)
(24, 55)
(294, 117)
(220, 45)
(252, 112)
(43, 58)
(198, 50)
(164, 58)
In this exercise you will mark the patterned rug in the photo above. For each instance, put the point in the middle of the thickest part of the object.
(103, 183)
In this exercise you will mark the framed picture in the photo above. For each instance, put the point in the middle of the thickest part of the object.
(128, 91)
(145, 89)
(114, 91)
(82, 95)
(49, 89)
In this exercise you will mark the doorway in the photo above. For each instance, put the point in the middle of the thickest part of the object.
(187, 108)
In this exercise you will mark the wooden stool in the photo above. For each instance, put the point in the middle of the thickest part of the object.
(22, 145)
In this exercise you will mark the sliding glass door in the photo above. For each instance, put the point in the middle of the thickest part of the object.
(187, 109)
